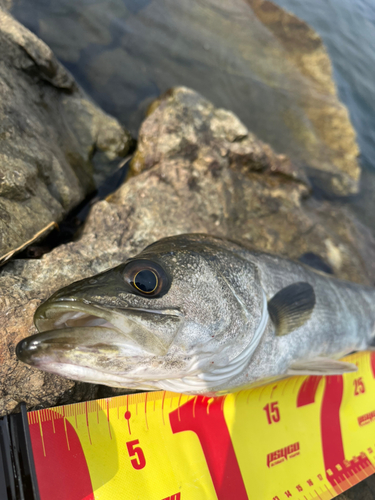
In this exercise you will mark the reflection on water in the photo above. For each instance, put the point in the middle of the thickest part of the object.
(126, 52)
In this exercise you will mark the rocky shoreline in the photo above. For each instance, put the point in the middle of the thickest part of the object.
(51, 136)
(196, 168)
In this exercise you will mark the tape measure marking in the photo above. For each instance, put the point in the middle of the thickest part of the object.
(284, 440)
(209, 425)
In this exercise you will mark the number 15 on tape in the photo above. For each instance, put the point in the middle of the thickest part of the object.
(302, 437)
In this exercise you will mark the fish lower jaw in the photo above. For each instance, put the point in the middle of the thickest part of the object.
(187, 385)
(91, 375)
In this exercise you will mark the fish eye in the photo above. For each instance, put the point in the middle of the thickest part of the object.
(146, 277)
(146, 281)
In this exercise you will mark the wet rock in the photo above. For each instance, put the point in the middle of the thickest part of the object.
(198, 170)
(338, 170)
(251, 57)
(49, 134)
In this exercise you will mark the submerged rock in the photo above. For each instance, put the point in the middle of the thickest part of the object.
(251, 57)
(49, 134)
(198, 170)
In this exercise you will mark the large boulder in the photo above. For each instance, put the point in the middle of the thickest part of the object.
(198, 170)
(264, 64)
(50, 134)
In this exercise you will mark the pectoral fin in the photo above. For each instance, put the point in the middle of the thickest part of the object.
(291, 307)
(321, 366)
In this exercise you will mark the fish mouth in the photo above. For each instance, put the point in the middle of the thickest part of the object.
(85, 341)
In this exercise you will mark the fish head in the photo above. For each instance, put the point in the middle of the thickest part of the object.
(165, 319)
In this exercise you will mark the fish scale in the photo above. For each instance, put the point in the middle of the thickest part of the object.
(303, 437)
(202, 315)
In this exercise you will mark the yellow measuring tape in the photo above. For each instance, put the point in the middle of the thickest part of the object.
(301, 438)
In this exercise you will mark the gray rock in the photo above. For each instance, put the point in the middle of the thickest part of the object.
(198, 170)
(49, 133)
(264, 64)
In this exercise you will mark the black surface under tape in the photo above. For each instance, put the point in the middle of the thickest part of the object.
(17, 470)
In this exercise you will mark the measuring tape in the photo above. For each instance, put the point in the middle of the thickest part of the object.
(304, 438)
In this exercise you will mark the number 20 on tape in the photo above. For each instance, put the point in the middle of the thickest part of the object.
(300, 438)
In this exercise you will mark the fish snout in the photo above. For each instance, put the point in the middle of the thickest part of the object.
(23, 349)
(32, 348)
(101, 289)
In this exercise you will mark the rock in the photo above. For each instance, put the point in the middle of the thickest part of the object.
(198, 170)
(251, 57)
(192, 124)
(365, 490)
(6, 4)
(304, 48)
(49, 134)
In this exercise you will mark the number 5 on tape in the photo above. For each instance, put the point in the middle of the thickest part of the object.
(133, 450)
(302, 437)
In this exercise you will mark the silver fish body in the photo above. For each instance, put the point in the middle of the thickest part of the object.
(201, 315)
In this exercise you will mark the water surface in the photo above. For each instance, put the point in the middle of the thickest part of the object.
(126, 52)
(347, 28)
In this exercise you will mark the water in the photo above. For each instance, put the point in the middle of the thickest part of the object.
(347, 28)
(126, 52)
(348, 31)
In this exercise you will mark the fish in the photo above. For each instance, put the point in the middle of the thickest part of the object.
(198, 314)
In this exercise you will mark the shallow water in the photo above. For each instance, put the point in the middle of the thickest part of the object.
(347, 28)
(126, 52)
